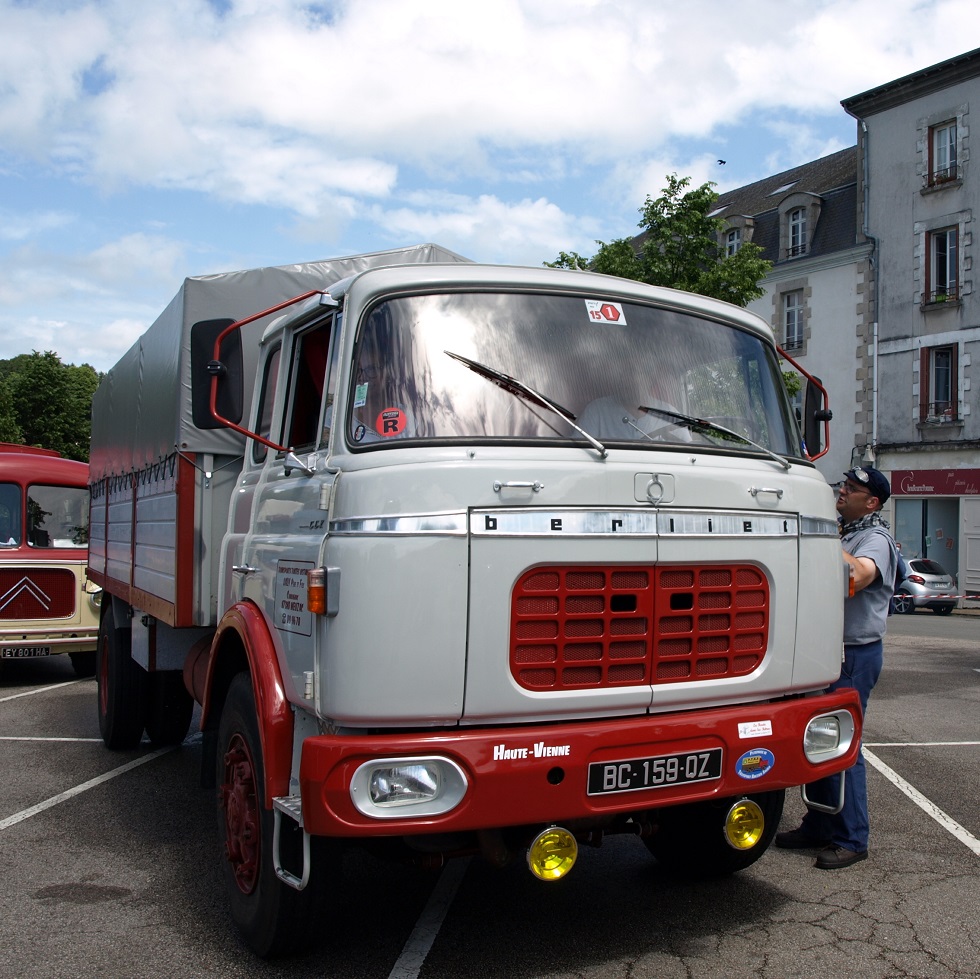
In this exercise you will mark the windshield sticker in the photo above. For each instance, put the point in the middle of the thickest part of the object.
(360, 395)
(391, 423)
(755, 763)
(601, 311)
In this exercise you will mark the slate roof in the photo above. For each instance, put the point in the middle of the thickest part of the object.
(832, 178)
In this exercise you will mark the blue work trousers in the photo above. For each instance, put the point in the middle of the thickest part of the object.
(849, 827)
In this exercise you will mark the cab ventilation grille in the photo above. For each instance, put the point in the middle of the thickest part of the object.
(582, 627)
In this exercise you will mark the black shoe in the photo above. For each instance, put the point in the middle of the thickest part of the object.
(799, 839)
(837, 857)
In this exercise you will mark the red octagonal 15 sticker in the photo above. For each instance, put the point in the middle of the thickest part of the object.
(602, 311)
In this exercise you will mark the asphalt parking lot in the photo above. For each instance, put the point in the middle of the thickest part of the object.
(110, 869)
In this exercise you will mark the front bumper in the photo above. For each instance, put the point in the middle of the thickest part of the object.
(66, 640)
(539, 773)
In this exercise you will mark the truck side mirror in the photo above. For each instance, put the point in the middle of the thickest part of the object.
(816, 416)
(228, 367)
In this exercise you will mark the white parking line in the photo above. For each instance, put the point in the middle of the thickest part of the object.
(413, 954)
(19, 817)
(82, 740)
(928, 807)
(921, 744)
(30, 693)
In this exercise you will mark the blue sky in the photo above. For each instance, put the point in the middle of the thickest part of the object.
(143, 141)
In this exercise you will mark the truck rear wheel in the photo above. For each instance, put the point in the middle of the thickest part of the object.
(122, 687)
(690, 841)
(272, 918)
(168, 708)
(83, 663)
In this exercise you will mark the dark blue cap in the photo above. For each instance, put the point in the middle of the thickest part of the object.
(872, 480)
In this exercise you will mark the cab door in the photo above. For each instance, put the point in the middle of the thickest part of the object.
(288, 527)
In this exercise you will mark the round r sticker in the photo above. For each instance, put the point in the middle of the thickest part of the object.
(391, 422)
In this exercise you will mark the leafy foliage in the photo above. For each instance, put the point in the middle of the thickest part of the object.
(9, 429)
(47, 403)
(680, 247)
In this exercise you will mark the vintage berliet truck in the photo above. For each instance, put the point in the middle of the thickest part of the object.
(465, 559)
(47, 604)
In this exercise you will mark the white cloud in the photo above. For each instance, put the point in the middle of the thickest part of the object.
(16, 226)
(88, 306)
(508, 130)
(514, 233)
(265, 103)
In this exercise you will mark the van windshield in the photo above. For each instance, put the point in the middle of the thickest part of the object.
(57, 516)
(512, 366)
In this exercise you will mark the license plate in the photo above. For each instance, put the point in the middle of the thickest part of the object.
(25, 652)
(655, 772)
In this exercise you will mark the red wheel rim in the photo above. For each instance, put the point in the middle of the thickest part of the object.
(242, 817)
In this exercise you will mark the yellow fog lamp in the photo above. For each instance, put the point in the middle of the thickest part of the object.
(744, 825)
(552, 854)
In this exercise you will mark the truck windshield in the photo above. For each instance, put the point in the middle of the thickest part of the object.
(10, 522)
(57, 516)
(459, 366)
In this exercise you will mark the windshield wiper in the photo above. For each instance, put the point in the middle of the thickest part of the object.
(521, 390)
(700, 425)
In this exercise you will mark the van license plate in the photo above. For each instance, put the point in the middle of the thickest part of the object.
(654, 773)
(25, 652)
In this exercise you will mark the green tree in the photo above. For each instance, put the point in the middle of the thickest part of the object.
(9, 429)
(680, 247)
(52, 402)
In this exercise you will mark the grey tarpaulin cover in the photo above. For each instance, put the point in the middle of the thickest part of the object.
(141, 411)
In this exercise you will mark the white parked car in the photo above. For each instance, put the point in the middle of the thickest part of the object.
(928, 585)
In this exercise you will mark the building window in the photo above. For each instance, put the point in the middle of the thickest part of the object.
(797, 232)
(941, 272)
(733, 242)
(793, 320)
(942, 154)
(938, 385)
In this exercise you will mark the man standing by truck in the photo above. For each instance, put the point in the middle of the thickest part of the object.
(870, 552)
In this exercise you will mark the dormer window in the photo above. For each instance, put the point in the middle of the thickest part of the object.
(799, 214)
(797, 232)
(942, 154)
(734, 232)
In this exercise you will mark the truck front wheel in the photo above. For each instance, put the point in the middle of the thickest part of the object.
(272, 918)
(690, 840)
(122, 687)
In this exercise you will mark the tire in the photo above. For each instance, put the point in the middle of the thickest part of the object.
(943, 609)
(84, 663)
(690, 840)
(904, 604)
(122, 687)
(168, 708)
(271, 917)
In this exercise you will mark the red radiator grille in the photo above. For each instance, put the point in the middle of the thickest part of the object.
(580, 627)
(37, 593)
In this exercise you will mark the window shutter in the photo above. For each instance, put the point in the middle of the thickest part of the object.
(924, 358)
